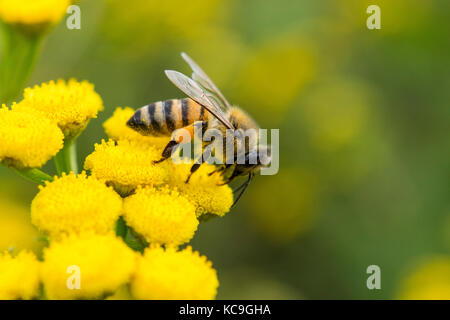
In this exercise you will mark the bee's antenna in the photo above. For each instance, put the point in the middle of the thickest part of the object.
(243, 187)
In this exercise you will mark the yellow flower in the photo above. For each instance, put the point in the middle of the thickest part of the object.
(203, 190)
(170, 274)
(161, 216)
(428, 281)
(70, 104)
(27, 139)
(72, 204)
(104, 263)
(19, 276)
(16, 230)
(33, 11)
(126, 165)
(116, 128)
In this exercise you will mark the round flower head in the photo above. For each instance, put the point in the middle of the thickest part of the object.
(203, 190)
(174, 275)
(429, 281)
(161, 216)
(70, 104)
(126, 165)
(101, 263)
(116, 128)
(19, 276)
(72, 204)
(33, 11)
(27, 139)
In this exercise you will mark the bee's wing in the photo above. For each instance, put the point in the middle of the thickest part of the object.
(193, 90)
(206, 83)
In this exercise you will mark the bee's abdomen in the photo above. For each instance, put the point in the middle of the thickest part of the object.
(163, 117)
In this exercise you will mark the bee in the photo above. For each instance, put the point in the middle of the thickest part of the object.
(207, 107)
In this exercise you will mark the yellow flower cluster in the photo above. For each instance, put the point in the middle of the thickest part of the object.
(161, 216)
(92, 266)
(203, 190)
(33, 11)
(170, 274)
(81, 214)
(27, 138)
(104, 263)
(126, 165)
(74, 204)
(70, 104)
(19, 276)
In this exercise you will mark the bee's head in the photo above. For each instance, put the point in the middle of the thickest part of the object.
(254, 160)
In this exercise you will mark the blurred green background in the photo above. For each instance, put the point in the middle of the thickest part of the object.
(363, 118)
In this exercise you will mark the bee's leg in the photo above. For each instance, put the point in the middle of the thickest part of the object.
(220, 169)
(243, 187)
(170, 147)
(186, 137)
(230, 179)
(194, 168)
(197, 165)
(240, 187)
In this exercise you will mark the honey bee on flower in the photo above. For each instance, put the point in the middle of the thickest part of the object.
(205, 109)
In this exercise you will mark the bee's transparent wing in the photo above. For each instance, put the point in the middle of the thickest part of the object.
(193, 90)
(206, 83)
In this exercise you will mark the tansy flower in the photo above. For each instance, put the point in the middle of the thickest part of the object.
(170, 274)
(69, 104)
(203, 190)
(127, 164)
(19, 276)
(161, 216)
(33, 11)
(16, 230)
(27, 139)
(116, 128)
(75, 203)
(104, 263)
(429, 281)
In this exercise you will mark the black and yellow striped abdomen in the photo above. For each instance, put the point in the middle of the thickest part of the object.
(163, 117)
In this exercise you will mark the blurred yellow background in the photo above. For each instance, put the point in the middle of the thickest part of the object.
(364, 134)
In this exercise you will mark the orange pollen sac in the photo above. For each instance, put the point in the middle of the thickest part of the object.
(184, 135)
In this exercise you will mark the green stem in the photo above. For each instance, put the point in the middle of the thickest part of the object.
(121, 228)
(66, 159)
(34, 175)
(18, 57)
(134, 240)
